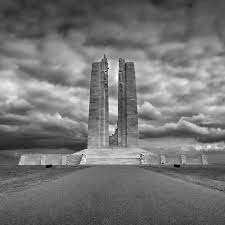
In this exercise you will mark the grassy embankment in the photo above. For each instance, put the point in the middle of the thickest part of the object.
(14, 178)
(211, 176)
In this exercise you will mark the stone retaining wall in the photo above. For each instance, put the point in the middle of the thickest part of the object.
(184, 160)
(145, 159)
(49, 159)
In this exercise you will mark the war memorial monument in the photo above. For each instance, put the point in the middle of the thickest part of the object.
(122, 147)
(126, 134)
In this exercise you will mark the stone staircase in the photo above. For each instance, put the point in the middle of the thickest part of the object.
(112, 156)
(112, 161)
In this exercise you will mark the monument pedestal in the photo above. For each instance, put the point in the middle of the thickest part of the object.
(113, 156)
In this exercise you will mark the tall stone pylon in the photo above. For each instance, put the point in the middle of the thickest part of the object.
(98, 123)
(128, 135)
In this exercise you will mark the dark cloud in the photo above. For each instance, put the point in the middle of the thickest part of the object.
(33, 19)
(57, 76)
(174, 4)
(40, 130)
(158, 2)
(13, 119)
(19, 107)
(183, 129)
(46, 50)
(101, 41)
(214, 137)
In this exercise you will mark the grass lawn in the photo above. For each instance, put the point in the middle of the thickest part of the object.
(17, 178)
(211, 176)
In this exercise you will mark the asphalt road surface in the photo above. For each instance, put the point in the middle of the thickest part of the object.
(114, 195)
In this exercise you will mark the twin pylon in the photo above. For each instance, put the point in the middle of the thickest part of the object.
(126, 134)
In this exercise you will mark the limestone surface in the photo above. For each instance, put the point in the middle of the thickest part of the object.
(128, 135)
(98, 123)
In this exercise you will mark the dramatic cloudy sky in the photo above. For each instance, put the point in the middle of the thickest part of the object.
(46, 50)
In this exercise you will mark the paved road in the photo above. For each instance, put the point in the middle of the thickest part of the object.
(114, 195)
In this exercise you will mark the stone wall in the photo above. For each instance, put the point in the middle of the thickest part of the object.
(194, 160)
(184, 160)
(172, 160)
(30, 159)
(113, 139)
(145, 159)
(131, 101)
(49, 159)
(128, 135)
(93, 122)
(104, 104)
(175, 159)
(152, 159)
(53, 159)
(98, 123)
(122, 123)
(73, 160)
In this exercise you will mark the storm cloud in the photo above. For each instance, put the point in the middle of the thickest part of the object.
(46, 50)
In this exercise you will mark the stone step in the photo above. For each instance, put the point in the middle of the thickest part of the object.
(114, 151)
(112, 161)
(113, 156)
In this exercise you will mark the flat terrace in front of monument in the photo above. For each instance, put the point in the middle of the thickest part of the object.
(122, 147)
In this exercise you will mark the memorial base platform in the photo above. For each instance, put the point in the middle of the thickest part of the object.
(112, 156)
